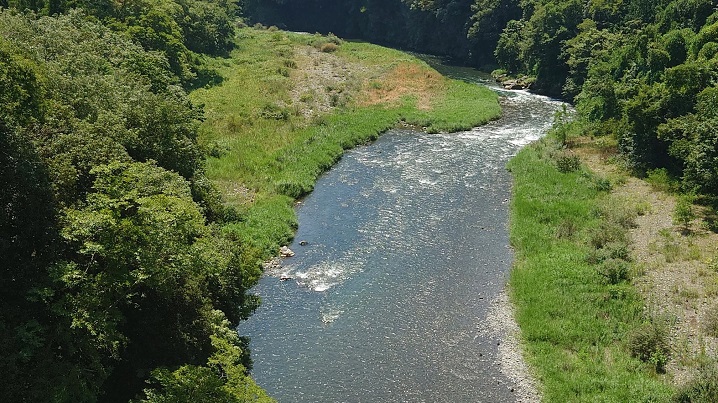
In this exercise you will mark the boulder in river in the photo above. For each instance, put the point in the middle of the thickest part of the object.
(272, 264)
(513, 85)
(284, 251)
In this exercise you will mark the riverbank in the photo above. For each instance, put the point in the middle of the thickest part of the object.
(638, 281)
(583, 323)
(676, 275)
(288, 106)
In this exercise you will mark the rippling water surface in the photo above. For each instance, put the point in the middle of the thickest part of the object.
(406, 248)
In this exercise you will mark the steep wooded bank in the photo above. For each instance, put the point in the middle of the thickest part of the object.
(466, 30)
(117, 281)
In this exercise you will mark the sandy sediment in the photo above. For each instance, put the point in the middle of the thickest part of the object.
(502, 325)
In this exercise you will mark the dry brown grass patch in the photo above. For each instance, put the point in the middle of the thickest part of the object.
(404, 80)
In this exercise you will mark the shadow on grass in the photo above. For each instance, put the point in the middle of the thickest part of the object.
(710, 213)
(206, 77)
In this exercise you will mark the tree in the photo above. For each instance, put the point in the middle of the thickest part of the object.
(684, 213)
(143, 273)
(21, 88)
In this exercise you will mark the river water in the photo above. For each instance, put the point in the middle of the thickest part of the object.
(404, 247)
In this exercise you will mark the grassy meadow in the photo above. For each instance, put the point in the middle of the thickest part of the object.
(289, 105)
(583, 324)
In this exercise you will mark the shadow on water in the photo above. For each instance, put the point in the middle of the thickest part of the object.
(401, 249)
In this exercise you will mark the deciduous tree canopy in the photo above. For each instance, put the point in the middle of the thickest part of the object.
(117, 280)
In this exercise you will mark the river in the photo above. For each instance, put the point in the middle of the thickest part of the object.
(401, 249)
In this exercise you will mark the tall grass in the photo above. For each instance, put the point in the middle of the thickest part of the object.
(575, 321)
(265, 152)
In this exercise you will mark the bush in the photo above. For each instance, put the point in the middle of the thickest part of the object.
(649, 343)
(607, 232)
(293, 189)
(611, 250)
(283, 71)
(328, 47)
(614, 271)
(661, 180)
(617, 211)
(684, 213)
(602, 185)
(275, 112)
(566, 163)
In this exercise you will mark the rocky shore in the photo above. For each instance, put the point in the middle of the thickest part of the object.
(502, 325)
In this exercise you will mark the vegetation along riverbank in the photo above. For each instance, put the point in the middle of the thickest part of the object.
(152, 150)
(632, 258)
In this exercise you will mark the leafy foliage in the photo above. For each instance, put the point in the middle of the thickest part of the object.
(115, 263)
(463, 29)
(644, 71)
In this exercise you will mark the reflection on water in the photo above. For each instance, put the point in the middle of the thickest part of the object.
(406, 245)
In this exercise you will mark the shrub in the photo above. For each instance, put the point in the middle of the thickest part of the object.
(283, 71)
(334, 39)
(684, 213)
(606, 233)
(566, 163)
(271, 111)
(328, 47)
(618, 212)
(611, 250)
(293, 189)
(614, 271)
(649, 343)
(661, 180)
(602, 185)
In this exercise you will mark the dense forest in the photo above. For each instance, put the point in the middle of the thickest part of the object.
(466, 30)
(642, 72)
(117, 281)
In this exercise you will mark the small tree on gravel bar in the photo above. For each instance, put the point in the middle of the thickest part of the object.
(684, 212)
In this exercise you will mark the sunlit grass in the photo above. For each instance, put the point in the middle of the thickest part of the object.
(574, 323)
